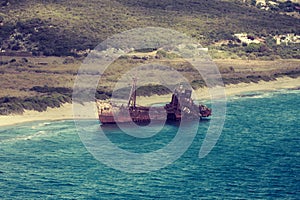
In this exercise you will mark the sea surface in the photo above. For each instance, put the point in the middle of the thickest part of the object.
(256, 157)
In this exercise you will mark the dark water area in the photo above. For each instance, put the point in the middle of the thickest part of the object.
(256, 157)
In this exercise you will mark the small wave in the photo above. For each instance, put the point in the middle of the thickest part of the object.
(249, 95)
(266, 94)
(40, 125)
(254, 95)
(296, 89)
(39, 133)
(293, 91)
(23, 138)
(44, 124)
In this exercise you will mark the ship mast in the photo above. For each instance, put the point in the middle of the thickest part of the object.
(132, 97)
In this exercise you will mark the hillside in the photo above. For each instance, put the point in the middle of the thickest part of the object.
(37, 35)
(52, 27)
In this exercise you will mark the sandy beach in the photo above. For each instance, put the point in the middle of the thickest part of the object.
(232, 89)
(66, 111)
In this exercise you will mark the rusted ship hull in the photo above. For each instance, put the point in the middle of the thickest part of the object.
(107, 119)
(181, 104)
(138, 115)
(145, 115)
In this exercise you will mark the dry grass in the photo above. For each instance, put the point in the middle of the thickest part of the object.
(17, 78)
(258, 65)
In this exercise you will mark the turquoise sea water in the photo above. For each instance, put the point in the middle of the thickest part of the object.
(257, 156)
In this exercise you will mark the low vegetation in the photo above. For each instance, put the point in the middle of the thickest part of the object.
(17, 105)
(70, 28)
(262, 51)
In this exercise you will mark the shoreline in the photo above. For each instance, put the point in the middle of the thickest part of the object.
(65, 112)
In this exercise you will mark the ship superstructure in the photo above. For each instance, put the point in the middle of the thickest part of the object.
(181, 104)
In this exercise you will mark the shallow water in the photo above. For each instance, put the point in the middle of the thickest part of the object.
(257, 156)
